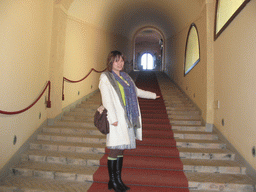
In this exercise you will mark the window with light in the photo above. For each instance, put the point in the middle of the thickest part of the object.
(226, 11)
(147, 61)
(192, 55)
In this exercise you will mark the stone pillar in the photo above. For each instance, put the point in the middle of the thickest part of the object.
(59, 24)
(210, 15)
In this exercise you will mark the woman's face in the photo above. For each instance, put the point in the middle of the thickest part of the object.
(118, 65)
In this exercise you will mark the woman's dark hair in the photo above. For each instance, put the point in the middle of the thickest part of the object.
(114, 56)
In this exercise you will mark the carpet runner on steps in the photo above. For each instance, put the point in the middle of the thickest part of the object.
(154, 166)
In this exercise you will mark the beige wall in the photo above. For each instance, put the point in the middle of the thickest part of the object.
(87, 47)
(25, 28)
(41, 42)
(227, 70)
(235, 81)
(194, 83)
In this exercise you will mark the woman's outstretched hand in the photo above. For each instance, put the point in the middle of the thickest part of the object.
(157, 97)
(115, 124)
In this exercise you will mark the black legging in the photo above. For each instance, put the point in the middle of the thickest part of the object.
(115, 152)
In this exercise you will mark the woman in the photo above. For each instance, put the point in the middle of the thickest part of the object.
(119, 96)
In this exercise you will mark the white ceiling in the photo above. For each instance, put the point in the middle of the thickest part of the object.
(127, 16)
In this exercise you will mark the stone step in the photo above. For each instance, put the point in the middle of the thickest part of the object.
(37, 184)
(212, 166)
(166, 134)
(188, 153)
(82, 113)
(195, 135)
(172, 92)
(184, 108)
(185, 122)
(55, 171)
(178, 102)
(186, 143)
(89, 105)
(183, 112)
(189, 128)
(74, 135)
(206, 144)
(219, 182)
(189, 165)
(65, 158)
(71, 130)
(185, 153)
(76, 138)
(71, 117)
(176, 99)
(74, 124)
(210, 154)
(184, 116)
(182, 140)
(177, 105)
(78, 118)
(96, 101)
(79, 109)
(92, 101)
(201, 191)
(79, 134)
(197, 180)
(68, 147)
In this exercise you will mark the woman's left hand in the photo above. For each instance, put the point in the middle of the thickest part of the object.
(157, 97)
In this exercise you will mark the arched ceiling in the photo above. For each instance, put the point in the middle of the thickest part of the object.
(148, 35)
(125, 17)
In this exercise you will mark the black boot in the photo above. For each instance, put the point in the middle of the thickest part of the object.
(119, 166)
(113, 182)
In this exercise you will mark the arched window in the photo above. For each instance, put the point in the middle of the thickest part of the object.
(192, 56)
(226, 11)
(147, 61)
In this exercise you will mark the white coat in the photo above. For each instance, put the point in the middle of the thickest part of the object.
(118, 135)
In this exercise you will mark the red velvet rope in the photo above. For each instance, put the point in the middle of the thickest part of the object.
(23, 110)
(71, 81)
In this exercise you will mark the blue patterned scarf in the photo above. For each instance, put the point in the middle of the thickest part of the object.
(130, 97)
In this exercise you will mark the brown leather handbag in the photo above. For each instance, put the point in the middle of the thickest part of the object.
(101, 121)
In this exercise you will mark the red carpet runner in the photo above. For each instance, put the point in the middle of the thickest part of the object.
(155, 164)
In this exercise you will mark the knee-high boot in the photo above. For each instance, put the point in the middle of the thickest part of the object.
(119, 166)
(113, 182)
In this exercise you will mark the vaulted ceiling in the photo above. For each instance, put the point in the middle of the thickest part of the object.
(127, 16)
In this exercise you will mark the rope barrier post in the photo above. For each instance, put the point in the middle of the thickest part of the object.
(49, 103)
(63, 89)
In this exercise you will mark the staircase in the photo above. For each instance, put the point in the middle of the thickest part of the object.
(207, 163)
(65, 156)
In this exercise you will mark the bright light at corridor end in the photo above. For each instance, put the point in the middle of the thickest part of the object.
(147, 61)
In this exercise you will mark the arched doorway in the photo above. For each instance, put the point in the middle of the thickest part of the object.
(148, 41)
